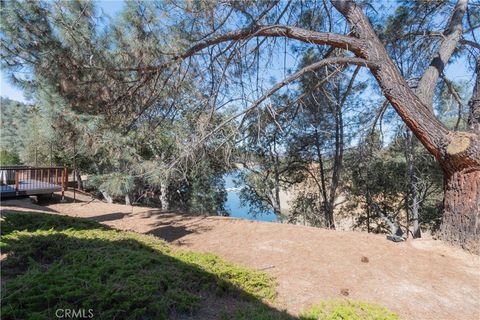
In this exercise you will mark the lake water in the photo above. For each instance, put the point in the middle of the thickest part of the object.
(233, 204)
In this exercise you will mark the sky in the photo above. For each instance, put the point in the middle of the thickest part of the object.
(455, 71)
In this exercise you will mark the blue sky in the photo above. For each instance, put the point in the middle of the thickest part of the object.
(455, 71)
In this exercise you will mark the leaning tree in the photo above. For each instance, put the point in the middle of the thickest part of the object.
(101, 77)
(457, 152)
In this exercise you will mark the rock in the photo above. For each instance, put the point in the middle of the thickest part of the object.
(395, 238)
(344, 292)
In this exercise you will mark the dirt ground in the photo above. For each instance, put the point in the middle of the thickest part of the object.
(421, 279)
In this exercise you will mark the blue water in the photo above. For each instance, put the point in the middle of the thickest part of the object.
(236, 210)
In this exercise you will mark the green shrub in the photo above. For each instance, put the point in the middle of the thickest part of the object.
(62, 262)
(8, 158)
(348, 310)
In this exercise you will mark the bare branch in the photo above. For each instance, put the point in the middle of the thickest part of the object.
(470, 43)
(437, 34)
(275, 88)
(313, 67)
(457, 97)
(379, 115)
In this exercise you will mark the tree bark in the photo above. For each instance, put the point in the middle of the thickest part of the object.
(79, 180)
(163, 197)
(107, 197)
(278, 208)
(461, 217)
(450, 38)
(329, 222)
(474, 103)
(414, 207)
(461, 166)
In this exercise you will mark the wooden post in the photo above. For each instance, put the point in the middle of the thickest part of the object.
(66, 178)
(49, 174)
(56, 176)
(64, 172)
(16, 180)
(74, 173)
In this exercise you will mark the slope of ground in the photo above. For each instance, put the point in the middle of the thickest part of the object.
(55, 263)
(422, 279)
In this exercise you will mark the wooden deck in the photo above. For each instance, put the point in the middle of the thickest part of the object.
(29, 187)
(25, 181)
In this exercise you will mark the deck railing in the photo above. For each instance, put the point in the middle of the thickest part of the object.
(23, 178)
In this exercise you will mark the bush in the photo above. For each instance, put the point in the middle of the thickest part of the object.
(8, 158)
(348, 310)
(57, 262)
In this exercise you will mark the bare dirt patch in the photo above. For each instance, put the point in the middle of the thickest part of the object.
(421, 279)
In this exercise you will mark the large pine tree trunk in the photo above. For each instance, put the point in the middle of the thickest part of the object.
(461, 216)
(457, 152)
(461, 212)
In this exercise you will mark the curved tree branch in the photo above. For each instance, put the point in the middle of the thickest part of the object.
(314, 37)
(320, 38)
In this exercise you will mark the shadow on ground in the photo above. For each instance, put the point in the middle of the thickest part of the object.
(13, 220)
(58, 262)
(170, 233)
(173, 230)
(110, 216)
(69, 197)
(24, 203)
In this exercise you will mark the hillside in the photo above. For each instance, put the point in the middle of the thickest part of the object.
(421, 279)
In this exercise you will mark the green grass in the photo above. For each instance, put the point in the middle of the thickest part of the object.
(348, 310)
(61, 262)
(326, 310)
(58, 262)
